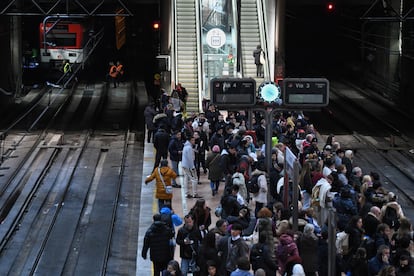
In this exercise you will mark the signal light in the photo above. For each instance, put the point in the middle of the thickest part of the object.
(330, 6)
(156, 25)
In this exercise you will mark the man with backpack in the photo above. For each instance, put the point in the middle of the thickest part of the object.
(391, 212)
(262, 257)
(229, 203)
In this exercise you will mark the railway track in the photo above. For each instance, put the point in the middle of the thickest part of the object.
(376, 135)
(59, 210)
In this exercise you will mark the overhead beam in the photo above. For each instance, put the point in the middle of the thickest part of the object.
(59, 7)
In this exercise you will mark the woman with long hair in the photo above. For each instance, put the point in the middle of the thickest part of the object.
(202, 215)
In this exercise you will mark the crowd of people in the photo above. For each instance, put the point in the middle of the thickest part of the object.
(374, 236)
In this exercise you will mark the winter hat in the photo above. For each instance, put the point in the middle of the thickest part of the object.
(216, 148)
(298, 270)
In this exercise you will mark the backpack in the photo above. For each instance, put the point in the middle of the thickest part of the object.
(342, 243)
(237, 178)
(315, 201)
(253, 184)
(257, 256)
(286, 247)
(369, 245)
(391, 218)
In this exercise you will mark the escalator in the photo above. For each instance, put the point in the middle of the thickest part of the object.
(249, 37)
(198, 59)
(187, 50)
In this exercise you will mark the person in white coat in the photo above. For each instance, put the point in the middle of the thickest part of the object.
(325, 198)
(260, 198)
(188, 166)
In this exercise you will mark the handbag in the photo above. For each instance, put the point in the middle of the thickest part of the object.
(192, 266)
(262, 58)
(254, 237)
(255, 234)
(218, 211)
(168, 189)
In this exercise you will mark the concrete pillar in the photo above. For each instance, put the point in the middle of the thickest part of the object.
(280, 39)
(16, 54)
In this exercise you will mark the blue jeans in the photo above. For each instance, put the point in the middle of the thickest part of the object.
(214, 185)
(163, 202)
(174, 167)
(185, 263)
(306, 200)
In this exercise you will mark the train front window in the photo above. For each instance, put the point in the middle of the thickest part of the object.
(61, 40)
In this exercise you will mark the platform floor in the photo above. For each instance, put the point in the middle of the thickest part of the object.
(181, 205)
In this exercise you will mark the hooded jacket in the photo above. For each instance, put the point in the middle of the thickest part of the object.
(157, 240)
(188, 156)
(168, 174)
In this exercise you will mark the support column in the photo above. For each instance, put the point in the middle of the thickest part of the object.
(280, 39)
(16, 54)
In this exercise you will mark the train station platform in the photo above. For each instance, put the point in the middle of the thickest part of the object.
(180, 204)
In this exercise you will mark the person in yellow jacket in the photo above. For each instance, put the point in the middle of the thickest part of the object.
(66, 67)
(67, 72)
(163, 188)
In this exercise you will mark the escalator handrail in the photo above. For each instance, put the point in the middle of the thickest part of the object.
(262, 18)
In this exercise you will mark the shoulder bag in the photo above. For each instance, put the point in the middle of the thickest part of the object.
(168, 189)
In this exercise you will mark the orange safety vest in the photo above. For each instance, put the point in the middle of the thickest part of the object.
(120, 69)
(113, 72)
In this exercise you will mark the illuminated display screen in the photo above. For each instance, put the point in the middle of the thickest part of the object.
(306, 92)
(306, 98)
(232, 91)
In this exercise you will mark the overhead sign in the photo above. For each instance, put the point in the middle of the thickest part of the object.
(305, 92)
(216, 38)
(233, 92)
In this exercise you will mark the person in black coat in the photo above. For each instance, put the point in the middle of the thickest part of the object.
(157, 240)
(358, 264)
(217, 139)
(259, 66)
(175, 149)
(189, 239)
(228, 162)
(261, 256)
(355, 231)
(229, 203)
(161, 141)
(371, 221)
(149, 113)
(308, 245)
(207, 252)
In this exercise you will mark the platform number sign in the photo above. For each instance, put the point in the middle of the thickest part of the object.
(233, 92)
(305, 92)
